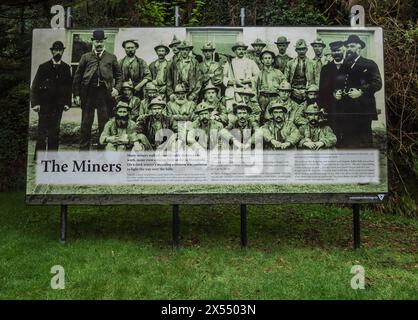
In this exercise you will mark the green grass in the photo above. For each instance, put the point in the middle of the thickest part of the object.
(124, 252)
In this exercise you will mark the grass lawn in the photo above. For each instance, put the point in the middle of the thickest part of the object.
(124, 252)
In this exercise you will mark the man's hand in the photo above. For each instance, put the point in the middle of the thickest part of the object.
(319, 145)
(338, 94)
(276, 144)
(354, 93)
(115, 92)
(310, 145)
(77, 100)
(111, 139)
(231, 82)
(36, 108)
(66, 108)
(285, 145)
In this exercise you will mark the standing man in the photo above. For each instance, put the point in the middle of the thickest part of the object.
(210, 69)
(356, 85)
(159, 69)
(184, 70)
(50, 96)
(174, 48)
(300, 72)
(133, 68)
(97, 81)
(239, 72)
(258, 46)
(319, 60)
(282, 58)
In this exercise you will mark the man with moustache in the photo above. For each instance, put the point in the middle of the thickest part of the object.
(184, 70)
(174, 48)
(356, 84)
(97, 81)
(211, 70)
(151, 92)
(119, 133)
(211, 96)
(180, 109)
(299, 72)
(315, 134)
(50, 96)
(319, 60)
(282, 58)
(279, 133)
(133, 68)
(159, 69)
(133, 101)
(294, 110)
(312, 93)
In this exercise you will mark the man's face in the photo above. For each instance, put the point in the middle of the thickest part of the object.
(313, 119)
(240, 52)
(301, 52)
(258, 48)
(242, 114)
(161, 53)
(98, 45)
(210, 95)
(353, 50)
(175, 49)
(185, 53)
(338, 54)
(180, 97)
(130, 49)
(127, 92)
(318, 49)
(204, 116)
(284, 95)
(278, 115)
(151, 94)
(208, 54)
(312, 96)
(267, 59)
(57, 54)
(122, 117)
(156, 111)
(282, 47)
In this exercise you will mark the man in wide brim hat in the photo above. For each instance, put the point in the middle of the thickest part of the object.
(281, 40)
(185, 45)
(208, 47)
(241, 105)
(135, 42)
(277, 105)
(174, 42)
(98, 35)
(239, 44)
(210, 86)
(203, 106)
(319, 41)
(167, 49)
(353, 38)
(258, 42)
(268, 49)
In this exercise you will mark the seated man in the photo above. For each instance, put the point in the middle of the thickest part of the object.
(180, 109)
(119, 133)
(316, 135)
(129, 97)
(280, 133)
(210, 94)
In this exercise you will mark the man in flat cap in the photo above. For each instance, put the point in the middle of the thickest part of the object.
(278, 133)
(134, 68)
(159, 69)
(239, 72)
(268, 81)
(300, 72)
(211, 70)
(184, 70)
(282, 58)
(97, 82)
(258, 46)
(318, 46)
(359, 80)
(127, 95)
(50, 96)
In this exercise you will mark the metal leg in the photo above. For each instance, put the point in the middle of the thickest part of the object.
(243, 209)
(176, 226)
(63, 236)
(356, 226)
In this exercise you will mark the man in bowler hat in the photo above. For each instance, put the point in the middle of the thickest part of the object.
(97, 81)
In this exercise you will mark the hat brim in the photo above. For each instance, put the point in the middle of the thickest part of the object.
(52, 48)
(186, 47)
(285, 42)
(277, 107)
(98, 38)
(360, 42)
(322, 44)
(127, 41)
(213, 88)
(236, 107)
(206, 109)
(258, 44)
(173, 44)
(235, 47)
(167, 49)
(268, 51)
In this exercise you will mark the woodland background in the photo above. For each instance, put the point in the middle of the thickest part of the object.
(397, 17)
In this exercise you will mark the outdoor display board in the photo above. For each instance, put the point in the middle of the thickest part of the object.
(207, 115)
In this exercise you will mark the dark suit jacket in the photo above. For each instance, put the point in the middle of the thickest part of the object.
(52, 86)
(109, 70)
(194, 78)
(327, 87)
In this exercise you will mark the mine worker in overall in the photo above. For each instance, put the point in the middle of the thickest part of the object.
(204, 133)
(184, 70)
(327, 84)
(211, 70)
(282, 58)
(318, 46)
(128, 97)
(258, 46)
(211, 97)
(294, 110)
(159, 69)
(155, 124)
(97, 82)
(133, 68)
(239, 72)
(247, 96)
(50, 96)
(300, 72)
(268, 82)
(174, 48)
(119, 133)
(312, 93)
(356, 86)
(151, 92)
(279, 133)
(181, 109)
(315, 134)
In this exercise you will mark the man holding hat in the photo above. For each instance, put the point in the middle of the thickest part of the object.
(258, 46)
(159, 69)
(318, 46)
(210, 69)
(119, 133)
(315, 135)
(133, 68)
(128, 97)
(50, 96)
(239, 72)
(97, 81)
(282, 58)
(300, 72)
(278, 133)
(268, 81)
(184, 70)
(354, 94)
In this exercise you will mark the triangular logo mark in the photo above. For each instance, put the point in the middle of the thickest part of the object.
(381, 196)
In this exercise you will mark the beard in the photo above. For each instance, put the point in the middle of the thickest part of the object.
(57, 57)
(180, 101)
(130, 54)
(314, 122)
(122, 122)
(350, 56)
